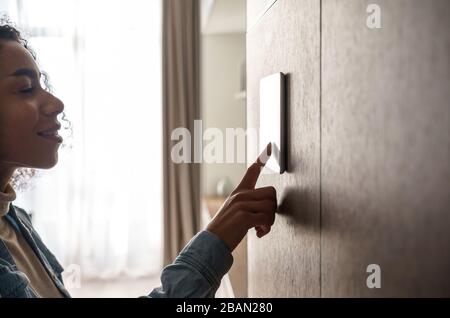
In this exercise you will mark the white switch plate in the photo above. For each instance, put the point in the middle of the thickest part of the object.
(272, 121)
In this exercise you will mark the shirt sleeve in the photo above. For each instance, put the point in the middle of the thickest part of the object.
(198, 269)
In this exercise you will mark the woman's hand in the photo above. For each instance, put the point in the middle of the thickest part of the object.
(246, 208)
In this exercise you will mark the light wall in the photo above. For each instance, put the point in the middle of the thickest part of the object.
(222, 56)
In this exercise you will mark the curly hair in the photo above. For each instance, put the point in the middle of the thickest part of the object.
(9, 32)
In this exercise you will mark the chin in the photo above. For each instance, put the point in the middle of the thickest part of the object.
(46, 163)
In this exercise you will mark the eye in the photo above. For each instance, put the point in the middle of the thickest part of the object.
(27, 90)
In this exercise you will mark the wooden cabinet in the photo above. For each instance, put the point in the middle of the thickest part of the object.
(287, 39)
(256, 9)
(368, 148)
(385, 148)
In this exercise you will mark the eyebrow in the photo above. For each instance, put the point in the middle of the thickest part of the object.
(28, 72)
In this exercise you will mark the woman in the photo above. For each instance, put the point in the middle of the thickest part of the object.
(29, 139)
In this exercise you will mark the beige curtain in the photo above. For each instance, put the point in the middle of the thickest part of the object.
(181, 37)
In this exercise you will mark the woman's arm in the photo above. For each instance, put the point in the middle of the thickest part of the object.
(199, 268)
(197, 271)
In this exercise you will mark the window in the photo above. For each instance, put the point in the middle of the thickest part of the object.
(100, 208)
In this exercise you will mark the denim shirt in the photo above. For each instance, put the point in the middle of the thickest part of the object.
(195, 273)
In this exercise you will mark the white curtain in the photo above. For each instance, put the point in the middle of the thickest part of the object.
(101, 207)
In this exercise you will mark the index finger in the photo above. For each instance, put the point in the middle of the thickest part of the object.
(250, 178)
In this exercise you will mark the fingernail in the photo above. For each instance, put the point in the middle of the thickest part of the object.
(269, 149)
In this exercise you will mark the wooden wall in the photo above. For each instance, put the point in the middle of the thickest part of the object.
(368, 129)
(287, 39)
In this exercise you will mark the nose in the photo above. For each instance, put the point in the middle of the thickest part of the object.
(53, 106)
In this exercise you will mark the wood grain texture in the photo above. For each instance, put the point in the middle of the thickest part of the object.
(256, 9)
(287, 39)
(385, 148)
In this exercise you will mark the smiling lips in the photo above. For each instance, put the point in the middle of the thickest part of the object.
(51, 134)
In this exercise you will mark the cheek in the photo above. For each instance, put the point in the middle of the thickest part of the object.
(17, 125)
(25, 118)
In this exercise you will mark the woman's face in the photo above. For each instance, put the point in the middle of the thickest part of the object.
(28, 124)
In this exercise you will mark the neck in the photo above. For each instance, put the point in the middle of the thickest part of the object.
(5, 176)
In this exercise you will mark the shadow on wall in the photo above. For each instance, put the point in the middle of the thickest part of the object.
(293, 205)
(294, 201)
